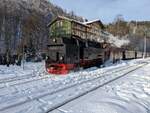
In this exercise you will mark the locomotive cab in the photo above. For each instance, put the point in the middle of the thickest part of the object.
(63, 55)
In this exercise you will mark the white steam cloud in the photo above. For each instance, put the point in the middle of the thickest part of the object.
(118, 42)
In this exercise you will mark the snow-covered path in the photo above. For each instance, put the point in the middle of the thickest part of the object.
(41, 93)
(130, 94)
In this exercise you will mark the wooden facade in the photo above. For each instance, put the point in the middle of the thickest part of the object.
(60, 27)
(65, 27)
(79, 30)
(94, 30)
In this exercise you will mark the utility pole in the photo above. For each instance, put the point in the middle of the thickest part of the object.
(6, 35)
(145, 43)
(23, 45)
(21, 38)
(23, 62)
(135, 28)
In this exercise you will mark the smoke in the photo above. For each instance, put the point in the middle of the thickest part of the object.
(117, 41)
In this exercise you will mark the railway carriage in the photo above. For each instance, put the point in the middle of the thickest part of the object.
(116, 54)
(127, 54)
(147, 54)
(139, 54)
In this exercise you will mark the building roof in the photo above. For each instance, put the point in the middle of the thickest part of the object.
(81, 23)
(94, 21)
(65, 18)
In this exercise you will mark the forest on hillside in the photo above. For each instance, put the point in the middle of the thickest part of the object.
(134, 31)
(23, 24)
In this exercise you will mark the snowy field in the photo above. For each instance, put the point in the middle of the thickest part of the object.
(32, 90)
(16, 71)
(130, 94)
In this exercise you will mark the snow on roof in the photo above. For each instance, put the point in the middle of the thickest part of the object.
(73, 20)
(92, 21)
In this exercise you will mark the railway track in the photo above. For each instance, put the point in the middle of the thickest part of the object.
(22, 81)
(37, 79)
(98, 85)
(16, 78)
(11, 79)
(34, 83)
(4, 83)
(39, 97)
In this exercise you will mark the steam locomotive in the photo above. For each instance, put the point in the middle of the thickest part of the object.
(73, 44)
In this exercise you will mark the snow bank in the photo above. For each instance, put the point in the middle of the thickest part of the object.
(130, 94)
(15, 71)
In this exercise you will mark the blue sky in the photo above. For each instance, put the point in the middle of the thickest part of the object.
(106, 10)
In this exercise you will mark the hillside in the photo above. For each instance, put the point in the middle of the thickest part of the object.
(134, 31)
(122, 28)
(23, 23)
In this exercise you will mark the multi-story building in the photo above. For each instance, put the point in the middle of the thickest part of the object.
(69, 27)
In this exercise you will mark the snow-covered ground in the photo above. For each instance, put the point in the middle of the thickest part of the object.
(32, 90)
(130, 94)
(16, 71)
